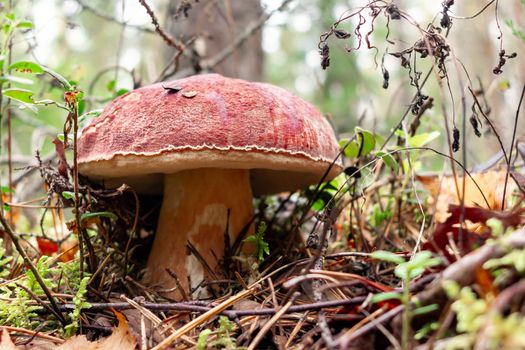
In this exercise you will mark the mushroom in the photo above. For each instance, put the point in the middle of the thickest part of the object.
(208, 143)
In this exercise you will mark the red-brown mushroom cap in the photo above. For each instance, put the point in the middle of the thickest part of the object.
(212, 122)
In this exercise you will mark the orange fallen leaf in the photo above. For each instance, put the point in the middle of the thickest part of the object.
(68, 249)
(120, 339)
(5, 342)
(13, 214)
(446, 190)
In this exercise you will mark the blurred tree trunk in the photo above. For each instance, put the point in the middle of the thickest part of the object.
(215, 24)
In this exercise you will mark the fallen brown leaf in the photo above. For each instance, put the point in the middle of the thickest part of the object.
(444, 191)
(472, 235)
(120, 339)
(5, 342)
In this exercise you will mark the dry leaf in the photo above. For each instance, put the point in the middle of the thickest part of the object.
(79, 342)
(443, 191)
(13, 214)
(68, 249)
(473, 235)
(5, 342)
(121, 339)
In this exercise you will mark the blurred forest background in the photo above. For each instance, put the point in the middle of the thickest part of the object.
(358, 71)
(107, 47)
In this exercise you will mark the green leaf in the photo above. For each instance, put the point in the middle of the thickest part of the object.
(10, 16)
(451, 288)
(26, 67)
(80, 95)
(25, 24)
(351, 150)
(81, 107)
(58, 77)
(376, 298)
(379, 139)
(318, 205)
(424, 259)
(15, 79)
(389, 160)
(111, 85)
(70, 195)
(46, 102)
(367, 179)
(387, 256)
(106, 214)
(366, 141)
(21, 95)
(420, 140)
(6, 189)
(202, 340)
(29, 106)
(94, 113)
(121, 92)
(425, 309)
(400, 133)
(261, 247)
(417, 265)
(6, 28)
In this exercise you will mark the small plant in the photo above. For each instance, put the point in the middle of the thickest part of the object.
(475, 320)
(224, 338)
(4, 261)
(379, 215)
(79, 300)
(407, 271)
(261, 246)
(20, 311)
(45, 271)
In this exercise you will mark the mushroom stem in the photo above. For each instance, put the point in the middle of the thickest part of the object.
(195, 209)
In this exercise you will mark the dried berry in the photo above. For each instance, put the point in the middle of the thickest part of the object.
(502, 60)
(386, 78)
(325, 55)
(393, 11)
(353, 171)
(455, 139)
(445, 22)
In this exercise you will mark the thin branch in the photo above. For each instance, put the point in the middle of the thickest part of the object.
(268, 325)
(209, 64)
(509, 161)
(476, 14)
(86, 6)
(241, 38)
(158, 29)
(347, 339)
(191, 307)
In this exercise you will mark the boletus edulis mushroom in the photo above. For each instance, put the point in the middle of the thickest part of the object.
(208, 143)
